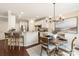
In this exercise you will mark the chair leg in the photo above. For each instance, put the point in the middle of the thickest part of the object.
(19, 44)
(48, 53)
(71, 53)
(13, 43)
(23, 42)
(41, 52)
(19, 48)
(10, 46)
(10, 43)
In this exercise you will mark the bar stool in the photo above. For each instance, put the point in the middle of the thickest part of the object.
(14, 39)
(18, 39)
(9, 36)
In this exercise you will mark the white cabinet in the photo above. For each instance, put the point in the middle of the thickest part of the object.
(30, 38)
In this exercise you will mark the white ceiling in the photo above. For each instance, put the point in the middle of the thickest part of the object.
(38, 9)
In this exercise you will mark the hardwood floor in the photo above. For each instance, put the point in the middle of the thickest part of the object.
(6, 51)
(3, 47)
(17, 52)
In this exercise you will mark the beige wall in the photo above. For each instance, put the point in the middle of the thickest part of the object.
(3, 27)
(75, 13)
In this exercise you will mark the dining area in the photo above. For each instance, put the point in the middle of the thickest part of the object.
(57, 44)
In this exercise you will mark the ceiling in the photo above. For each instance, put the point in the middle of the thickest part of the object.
(32, 10)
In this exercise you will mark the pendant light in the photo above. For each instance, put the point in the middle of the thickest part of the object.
(53, 19)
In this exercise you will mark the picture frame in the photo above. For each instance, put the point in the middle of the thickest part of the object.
(68, 25)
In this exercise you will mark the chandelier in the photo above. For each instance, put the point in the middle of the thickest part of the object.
(54, 19)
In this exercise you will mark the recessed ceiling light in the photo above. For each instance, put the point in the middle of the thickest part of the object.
(37, 16)
(22, 13)
(32, 21)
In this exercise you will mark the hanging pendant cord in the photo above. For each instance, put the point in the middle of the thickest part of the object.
(54, 16)
(54, 10)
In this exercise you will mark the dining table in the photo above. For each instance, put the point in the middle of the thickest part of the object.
(56, 41)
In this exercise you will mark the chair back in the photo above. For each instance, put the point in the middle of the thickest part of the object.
(43, 40)
(73, 43)
(16, 35)
(7, 35)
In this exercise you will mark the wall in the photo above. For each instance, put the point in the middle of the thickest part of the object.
(3, 26)
(75, 13)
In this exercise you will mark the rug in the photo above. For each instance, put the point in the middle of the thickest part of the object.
(35, 51)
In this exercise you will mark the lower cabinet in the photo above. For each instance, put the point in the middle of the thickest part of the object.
(30, 38)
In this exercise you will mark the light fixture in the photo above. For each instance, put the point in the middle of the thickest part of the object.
(20, 14)
(31, 21)
(60, 18)
(54, 19)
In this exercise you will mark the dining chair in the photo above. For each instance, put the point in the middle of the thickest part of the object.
(46, 45)
(73, 45)
(69, 46)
